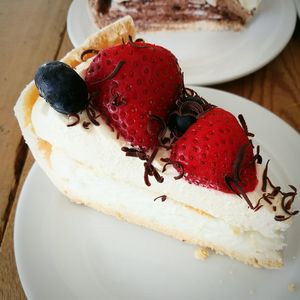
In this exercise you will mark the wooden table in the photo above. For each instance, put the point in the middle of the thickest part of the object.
(31, 34)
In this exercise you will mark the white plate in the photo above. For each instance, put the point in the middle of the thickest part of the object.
(66, 251)
(212, 57)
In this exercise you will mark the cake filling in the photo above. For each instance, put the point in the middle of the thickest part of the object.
(150, 15)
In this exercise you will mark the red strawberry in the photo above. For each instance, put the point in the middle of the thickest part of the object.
(208, 152)
(131, 82)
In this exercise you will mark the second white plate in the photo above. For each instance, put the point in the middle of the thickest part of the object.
(212, 57)
(67, 251)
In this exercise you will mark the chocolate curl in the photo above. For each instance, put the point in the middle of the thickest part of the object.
(244, 125)
(176, 165)
(149, 169)
(87, 52)
(134, 43)
(112, 74)
(103, 6)
(162, 197)
(77, 119)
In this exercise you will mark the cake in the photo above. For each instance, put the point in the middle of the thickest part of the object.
(135, 143)
(154, 15)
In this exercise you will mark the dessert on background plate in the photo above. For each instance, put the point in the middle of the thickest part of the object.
(121, 117)
(157, 15)
(218, 61)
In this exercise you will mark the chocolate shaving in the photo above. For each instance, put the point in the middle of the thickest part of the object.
(165, 159)
(267, 198)
(147, 172)
(134, 44)
(265, 177)
(86, 125)
(157, 176)
(238, 161)
(287, 198)
(161, 138)
(286, 206)
(132, 152)
(244, 125)
(149, 169)
(177, 165)
(281, 218)
(112, 74)
(140, 40)
(88, 51)
(232, 183)
(189, 104)
(162, 197)
(91, 113)
(257, 157)
(77, 119)
(275, 192)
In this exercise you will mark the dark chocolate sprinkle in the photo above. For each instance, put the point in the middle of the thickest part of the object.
(134, 44)
(149, 169)
(112, 74)
(86, 125)
(190, 107)
(161, 138)
(88, 51)
(244, 125)
(238, 161)
(265, 177)
(175, 164)
(287, 199)
(77, 119)
(162, 197)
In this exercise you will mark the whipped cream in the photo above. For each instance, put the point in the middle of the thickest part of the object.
(84, 184)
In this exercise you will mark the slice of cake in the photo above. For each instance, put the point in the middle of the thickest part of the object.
(121, 133)
(154, 15)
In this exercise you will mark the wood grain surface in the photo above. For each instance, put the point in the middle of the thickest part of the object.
(32, 32)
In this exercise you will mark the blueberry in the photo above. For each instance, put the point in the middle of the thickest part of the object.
(61, 87)
(180, 123)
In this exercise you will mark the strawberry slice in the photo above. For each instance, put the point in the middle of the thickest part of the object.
(215, 152)
(129, 84)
